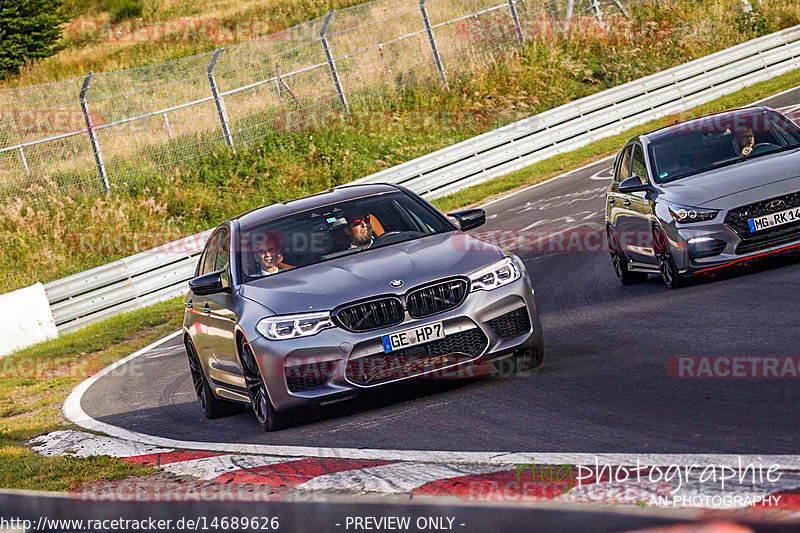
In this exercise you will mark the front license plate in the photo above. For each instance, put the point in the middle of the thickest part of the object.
(774, 219)
(411, 337)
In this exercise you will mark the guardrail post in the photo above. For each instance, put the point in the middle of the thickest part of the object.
(98, 155)
(221, 111)
(331, 63)
(513, 8)
(432, 41)
(24, 162)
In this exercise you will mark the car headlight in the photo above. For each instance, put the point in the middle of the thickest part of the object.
(279, 328)
(687, 215)
(501, 273)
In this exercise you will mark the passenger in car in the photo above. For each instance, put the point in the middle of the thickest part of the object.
(269, 260)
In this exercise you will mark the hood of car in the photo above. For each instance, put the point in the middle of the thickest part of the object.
(326, 285)
(740, 183)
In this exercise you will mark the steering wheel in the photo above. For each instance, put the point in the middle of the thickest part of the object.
(392, 236)
(760, 148)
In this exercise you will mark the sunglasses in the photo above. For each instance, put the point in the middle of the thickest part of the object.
(359, 220)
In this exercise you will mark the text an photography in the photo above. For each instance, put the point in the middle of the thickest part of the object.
(748, 484)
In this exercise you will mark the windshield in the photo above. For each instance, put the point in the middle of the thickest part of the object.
(719, 140)
(333, 231)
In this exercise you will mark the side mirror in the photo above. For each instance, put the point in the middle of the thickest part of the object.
(469, 218)
(209, 284)
(633, 184)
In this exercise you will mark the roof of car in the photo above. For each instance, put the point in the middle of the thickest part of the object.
(339, 194)
(687, 124)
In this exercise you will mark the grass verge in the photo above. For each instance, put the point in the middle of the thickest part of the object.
(35, 382)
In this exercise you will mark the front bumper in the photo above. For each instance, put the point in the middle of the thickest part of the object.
(323, 358)
(710, 247)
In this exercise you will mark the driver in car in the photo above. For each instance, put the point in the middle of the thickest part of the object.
(744, 140)
(359, 229)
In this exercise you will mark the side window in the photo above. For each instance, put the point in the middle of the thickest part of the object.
(623, 171)
(639, 167)
(210, 255)
(223, 254)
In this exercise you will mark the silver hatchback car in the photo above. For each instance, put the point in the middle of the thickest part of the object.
(312, 300)
(705, 195)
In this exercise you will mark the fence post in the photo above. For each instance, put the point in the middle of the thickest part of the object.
(597, 11)
(24, 162)
(166, 126)
(512, 6)
(568, 18)
(432, 41)
(331, 64)
(221, 111)
(98, 155)
(621, 8)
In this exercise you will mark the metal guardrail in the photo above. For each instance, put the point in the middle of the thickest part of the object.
(588, 119)
(162, 273)
(136, 281)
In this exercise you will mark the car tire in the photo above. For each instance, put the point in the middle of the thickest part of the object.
(619, 261)
(666, 264)
(212, 406)
(266, 415)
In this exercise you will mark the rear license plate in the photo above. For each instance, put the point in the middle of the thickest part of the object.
(774, 219)
(411, 337)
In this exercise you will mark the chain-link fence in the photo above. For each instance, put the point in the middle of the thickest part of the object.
(107, 129)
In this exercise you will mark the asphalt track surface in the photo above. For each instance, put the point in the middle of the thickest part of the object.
(604, 387)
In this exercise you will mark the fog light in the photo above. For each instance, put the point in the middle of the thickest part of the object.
(700, 247)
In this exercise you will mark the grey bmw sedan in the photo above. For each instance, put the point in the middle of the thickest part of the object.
(704, 195)
(313, 300)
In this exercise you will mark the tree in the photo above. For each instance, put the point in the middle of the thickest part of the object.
(29, 29)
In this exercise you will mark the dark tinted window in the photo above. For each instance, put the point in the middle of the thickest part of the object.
(335, 230)
(639, 167)
(209, 258)
(719, 140)
(624, 165)
(223, 253)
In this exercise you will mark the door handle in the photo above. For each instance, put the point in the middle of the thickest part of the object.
(188, 304)
(206, 309)
(627, 202)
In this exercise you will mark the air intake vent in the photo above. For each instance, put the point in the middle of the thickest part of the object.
(374, 314)
(442, 296)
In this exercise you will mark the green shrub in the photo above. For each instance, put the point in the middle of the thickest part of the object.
(29, 29)
(124, 9)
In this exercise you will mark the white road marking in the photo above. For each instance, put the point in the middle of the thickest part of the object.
(79, 444)
(209, 468)
(394, 478)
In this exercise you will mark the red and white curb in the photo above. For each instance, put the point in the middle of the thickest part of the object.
(497, 483)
